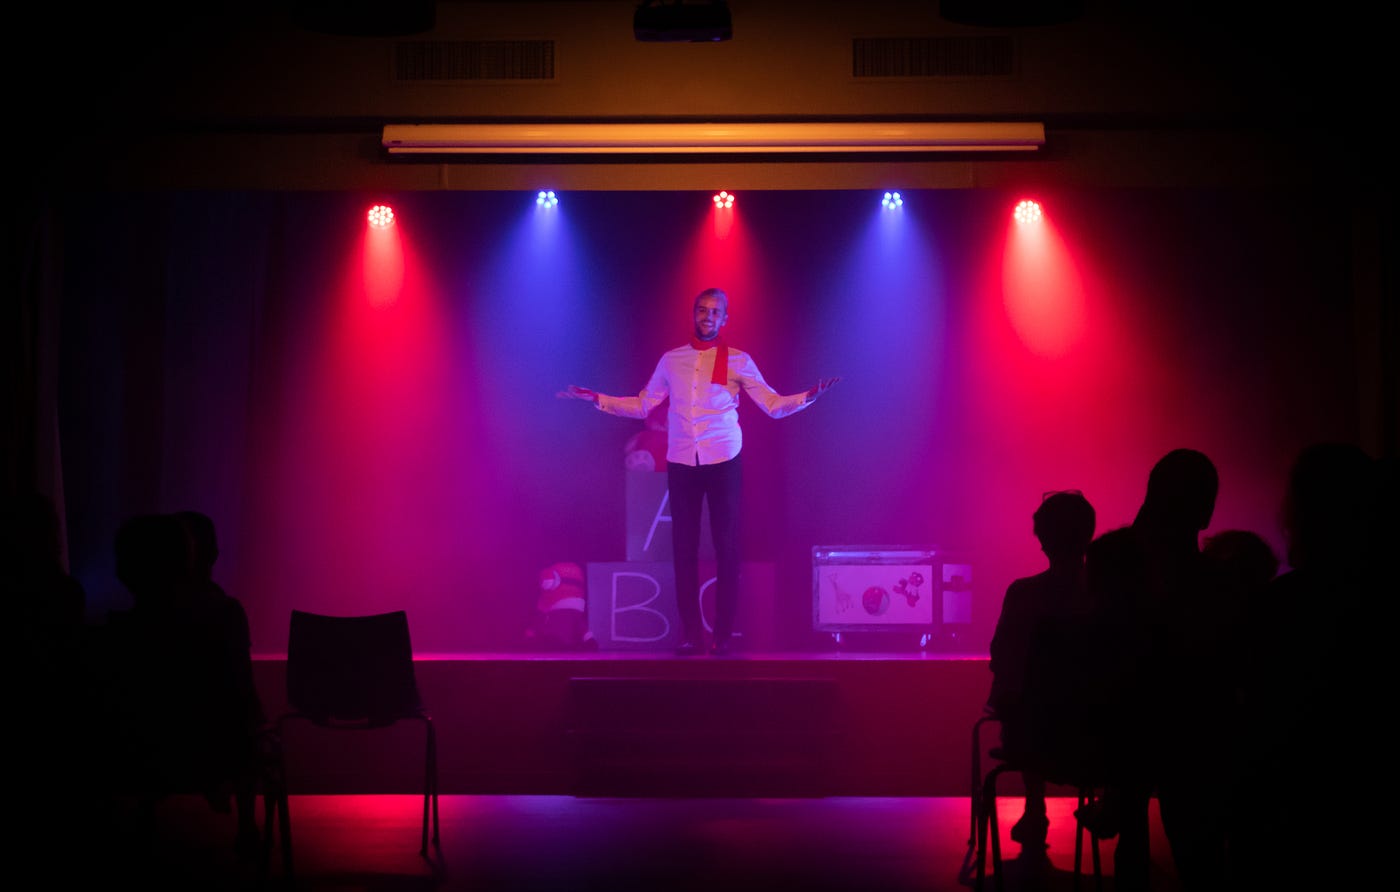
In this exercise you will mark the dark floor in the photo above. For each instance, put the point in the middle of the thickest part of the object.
(561, 842)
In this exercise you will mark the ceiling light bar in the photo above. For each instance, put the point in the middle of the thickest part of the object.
(807, 137)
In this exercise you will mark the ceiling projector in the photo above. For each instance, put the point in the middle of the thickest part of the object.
(673, 22)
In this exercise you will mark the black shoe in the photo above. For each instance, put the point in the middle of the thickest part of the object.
(688, 649)
(1099, 817)
(1031, 831)
(722, 647)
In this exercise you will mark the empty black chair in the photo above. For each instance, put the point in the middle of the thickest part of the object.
(356, 673)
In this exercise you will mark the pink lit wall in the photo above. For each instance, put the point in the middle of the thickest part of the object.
(371, 418)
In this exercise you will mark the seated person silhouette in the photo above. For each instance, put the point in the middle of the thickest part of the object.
(181, 689)
(1163, 627)
(1064, 524)
(1318, 654)
(1244, 563)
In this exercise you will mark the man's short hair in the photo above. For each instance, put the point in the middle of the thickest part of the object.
(717, 293)
(1181, 489)
(1064, 522)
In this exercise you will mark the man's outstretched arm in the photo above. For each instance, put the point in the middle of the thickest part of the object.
(574, 392)
(638, 406)
(774, 404)
(820, 388)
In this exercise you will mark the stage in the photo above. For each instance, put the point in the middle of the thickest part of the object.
(654, 724)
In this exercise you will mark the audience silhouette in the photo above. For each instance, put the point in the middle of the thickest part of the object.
(178, 665)
(1160, 597)
(1226, 690)
(1064, 525)
(1244, 563)
(1314, 672)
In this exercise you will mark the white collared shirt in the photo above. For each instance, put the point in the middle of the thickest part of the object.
(702, 424)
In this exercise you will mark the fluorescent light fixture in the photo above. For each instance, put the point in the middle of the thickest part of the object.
(743, 138)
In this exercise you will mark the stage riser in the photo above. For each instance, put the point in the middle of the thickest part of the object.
(837, 726)
(701, 736)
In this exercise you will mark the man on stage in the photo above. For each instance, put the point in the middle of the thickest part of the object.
(703, 379)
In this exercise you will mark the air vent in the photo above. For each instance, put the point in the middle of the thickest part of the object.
(474, 60)
(932, 56)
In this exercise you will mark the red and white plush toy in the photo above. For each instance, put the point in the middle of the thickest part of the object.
(562, 606)
(646, 449)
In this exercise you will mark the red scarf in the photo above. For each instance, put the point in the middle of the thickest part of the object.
(721, 373)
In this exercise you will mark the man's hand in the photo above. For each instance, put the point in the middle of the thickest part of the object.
(574, 392)
(820, 388)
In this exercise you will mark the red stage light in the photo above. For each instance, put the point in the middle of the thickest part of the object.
(1027, 212)
(381, 216)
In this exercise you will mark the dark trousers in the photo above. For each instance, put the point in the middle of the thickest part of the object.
(690, 487)
(1132, 862)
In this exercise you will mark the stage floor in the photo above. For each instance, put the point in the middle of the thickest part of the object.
(509, 843)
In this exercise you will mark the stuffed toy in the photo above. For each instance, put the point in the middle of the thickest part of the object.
(562, 611)
(646, 449)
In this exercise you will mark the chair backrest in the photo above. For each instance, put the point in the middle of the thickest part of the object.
(352, 670)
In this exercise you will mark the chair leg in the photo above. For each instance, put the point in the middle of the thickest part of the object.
(430, 791)
(989, 803)
(276, 825)
(981, 844)
(286, 834)
(427, 786)
(1086, 796)
(437, 820)
(1098, 865)
(976, 789)
(1079, 831)
(988, 831)
(276, 809)
(269, 827)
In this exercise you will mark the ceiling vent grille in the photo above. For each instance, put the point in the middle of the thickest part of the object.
(990, 56)
(474, 60)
